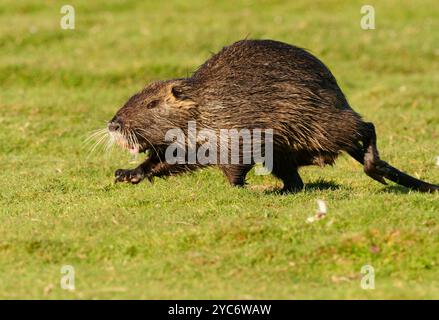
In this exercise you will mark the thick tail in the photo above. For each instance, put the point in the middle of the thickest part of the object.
(379, 169)
(393, 174)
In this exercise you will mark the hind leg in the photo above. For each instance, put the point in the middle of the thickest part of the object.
(379, 169)
(285, 170)
(368, 154)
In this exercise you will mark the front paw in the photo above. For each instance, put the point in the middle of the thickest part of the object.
(133, 176)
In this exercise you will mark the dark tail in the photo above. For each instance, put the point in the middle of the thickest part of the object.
(377, 169)
(393, 174)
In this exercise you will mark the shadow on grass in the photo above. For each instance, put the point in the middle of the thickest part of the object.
(396, 189)
(318, 185)
(321, 185)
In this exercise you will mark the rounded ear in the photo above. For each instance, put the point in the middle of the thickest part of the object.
(180, 90)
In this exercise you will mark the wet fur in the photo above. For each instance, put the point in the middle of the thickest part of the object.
(261, 84)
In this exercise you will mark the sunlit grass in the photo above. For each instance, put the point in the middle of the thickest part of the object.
(194, 236)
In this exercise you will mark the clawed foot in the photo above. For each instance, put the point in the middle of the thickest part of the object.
(133, 176)
(375, 170)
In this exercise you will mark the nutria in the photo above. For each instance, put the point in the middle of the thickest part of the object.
(255, 84)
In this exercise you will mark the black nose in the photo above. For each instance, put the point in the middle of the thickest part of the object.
(114, 125)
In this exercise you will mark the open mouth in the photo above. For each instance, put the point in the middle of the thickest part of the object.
(133, 150)
(129, 141)
(137, 150)
(125, 143)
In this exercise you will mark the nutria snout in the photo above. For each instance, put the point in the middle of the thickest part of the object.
(253, 85)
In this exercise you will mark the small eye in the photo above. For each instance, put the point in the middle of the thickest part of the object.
(152, 104)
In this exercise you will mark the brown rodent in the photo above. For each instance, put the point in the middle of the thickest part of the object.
(255, 84)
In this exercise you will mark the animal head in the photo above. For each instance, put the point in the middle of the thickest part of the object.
(145, 118)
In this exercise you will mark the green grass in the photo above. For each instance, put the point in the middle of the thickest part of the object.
(193, 236)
